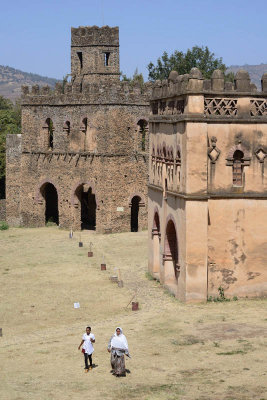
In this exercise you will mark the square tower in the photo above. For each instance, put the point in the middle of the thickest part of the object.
(207, 186)
(95, 53)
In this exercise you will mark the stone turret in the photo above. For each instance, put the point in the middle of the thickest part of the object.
(95, 53)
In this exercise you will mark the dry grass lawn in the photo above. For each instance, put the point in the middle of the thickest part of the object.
(213, 351)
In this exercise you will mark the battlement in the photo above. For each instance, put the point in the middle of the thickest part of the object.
(78, 92)
(95, 36)
(177, 85)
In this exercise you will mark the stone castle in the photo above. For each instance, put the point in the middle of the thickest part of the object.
(207, 185)
(82, 158)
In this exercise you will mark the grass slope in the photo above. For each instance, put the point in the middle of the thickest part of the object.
(213, 351)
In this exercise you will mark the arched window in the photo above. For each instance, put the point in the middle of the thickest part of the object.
(156, 244)
(178, 165)
(66, 127)
(171, 257)
(84, 124)
(48, 129)
(164, 151)
(143, 125)
(238, 168)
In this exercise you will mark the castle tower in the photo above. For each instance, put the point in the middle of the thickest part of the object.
(95, 53)
(81, 145)
(207, 186)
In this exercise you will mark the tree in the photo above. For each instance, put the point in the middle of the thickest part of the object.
(136, 78)
(199, 57)
(10, 122)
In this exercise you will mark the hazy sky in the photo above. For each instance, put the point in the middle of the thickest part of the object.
(35, 34)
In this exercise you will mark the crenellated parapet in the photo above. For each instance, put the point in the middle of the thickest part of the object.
(191, 94)
(177, 84)
(82, 92)
(95, 36)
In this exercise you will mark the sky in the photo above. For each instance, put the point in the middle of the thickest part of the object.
(35, 34)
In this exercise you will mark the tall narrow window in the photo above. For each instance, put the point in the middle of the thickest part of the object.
(106, 59)
(80, 56)
(238, 168)
(142, 123)
(83, 127)
(51, 134)
(66, 127)
(48, 130)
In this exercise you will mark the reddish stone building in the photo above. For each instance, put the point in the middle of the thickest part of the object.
(81, 160)
(208, 185)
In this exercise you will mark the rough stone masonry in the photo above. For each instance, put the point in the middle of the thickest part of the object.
(82, 158)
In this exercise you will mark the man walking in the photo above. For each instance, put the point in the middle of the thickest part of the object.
(87, 348)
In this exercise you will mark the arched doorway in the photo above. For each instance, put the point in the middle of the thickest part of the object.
(87, 206)
(49, 193)
(156, 245)
(135, 213)
(171, 266)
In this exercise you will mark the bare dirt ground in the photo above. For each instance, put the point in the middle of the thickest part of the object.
(213, 351)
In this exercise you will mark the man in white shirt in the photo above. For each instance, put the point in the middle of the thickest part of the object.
(87, 347)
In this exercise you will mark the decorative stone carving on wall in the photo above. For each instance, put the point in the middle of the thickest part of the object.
(213, 151)
(260, 154)
(220, 106)
(164, 165)
(172, 107)
(258, 107)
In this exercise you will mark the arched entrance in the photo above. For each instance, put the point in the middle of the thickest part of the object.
(171, 266)
(49, 193)
(156, 245)
(135, 213)
(88, 207)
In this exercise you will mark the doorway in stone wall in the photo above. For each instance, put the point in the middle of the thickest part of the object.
(170, 258)
(49, 193)
(88, 210)
(135, 205)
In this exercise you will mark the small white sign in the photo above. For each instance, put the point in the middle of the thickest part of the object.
(120, 209)
(76, 305)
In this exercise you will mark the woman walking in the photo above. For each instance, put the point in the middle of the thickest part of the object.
(118, 346)
(87, 348)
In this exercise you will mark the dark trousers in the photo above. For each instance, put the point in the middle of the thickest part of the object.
(86, 356)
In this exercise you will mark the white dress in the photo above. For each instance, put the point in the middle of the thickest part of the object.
(88, 345)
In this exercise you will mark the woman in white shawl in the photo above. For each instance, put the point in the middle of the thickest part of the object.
(118, 346)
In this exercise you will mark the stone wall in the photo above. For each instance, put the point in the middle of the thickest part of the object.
(2, 210)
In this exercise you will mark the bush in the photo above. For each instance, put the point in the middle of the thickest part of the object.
(3, 226)
(221, 297)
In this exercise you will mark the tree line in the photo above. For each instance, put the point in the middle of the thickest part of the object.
(10, 122)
